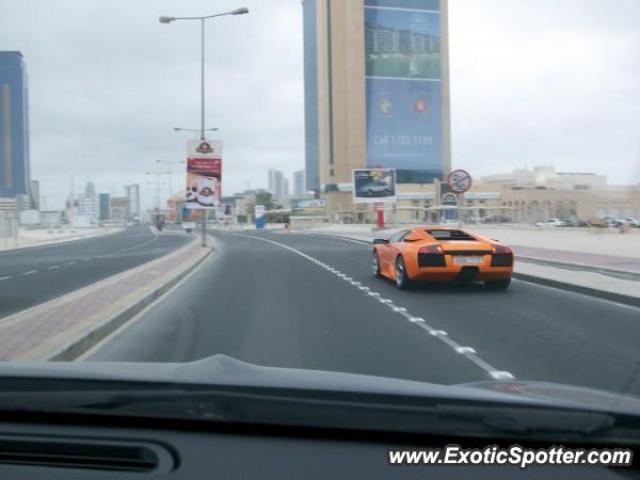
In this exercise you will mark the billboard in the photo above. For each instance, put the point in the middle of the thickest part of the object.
(373, 185)
(259, 214)
(204, 174)
(403, 88)
(308, 207)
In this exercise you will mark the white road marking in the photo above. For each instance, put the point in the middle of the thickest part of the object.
(70, 263)
(465, 350)
(501, 375)
(439, 333)
(4, 278)
(468, 352)
(30, 272)
(53, 267)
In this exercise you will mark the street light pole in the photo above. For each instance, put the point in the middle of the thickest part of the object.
(238, 11)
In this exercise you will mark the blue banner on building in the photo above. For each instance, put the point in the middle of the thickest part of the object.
(403, 88)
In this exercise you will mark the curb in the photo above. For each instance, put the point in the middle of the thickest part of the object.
(593, 292)
(87, 340)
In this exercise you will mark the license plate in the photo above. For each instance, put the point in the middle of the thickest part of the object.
(467, 260)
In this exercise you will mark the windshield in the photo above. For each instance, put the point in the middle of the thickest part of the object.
(183, 179)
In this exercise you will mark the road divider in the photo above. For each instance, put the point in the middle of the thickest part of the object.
(68, 326)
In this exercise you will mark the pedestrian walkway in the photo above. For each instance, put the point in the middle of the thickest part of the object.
(38, 332)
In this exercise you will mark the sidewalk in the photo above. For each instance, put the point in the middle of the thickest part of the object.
(588, 267)
(65, 327)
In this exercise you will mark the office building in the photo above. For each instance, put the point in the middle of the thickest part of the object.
(119, 207)
(299, 187)
(376, 93)
(14, 128)
(276, 183)
(35, 194)
(132, 192)
(104, 207)
(88, 208)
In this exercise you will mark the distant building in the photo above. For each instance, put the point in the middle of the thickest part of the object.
(35, 194)
(545, 177)
(276, 183)
(119, 209)
(285, 188)
(133, 194)
(298, 183)
(87, 204)
(14, 128)
(104, 207)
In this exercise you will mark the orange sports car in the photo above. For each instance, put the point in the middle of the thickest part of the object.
(442, 254)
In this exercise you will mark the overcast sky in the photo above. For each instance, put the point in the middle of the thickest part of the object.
(532, 81)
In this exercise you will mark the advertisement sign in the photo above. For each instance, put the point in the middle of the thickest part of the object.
(308, 207)
(372, 185)
(403, 88)
(259, 214)
(204, 174)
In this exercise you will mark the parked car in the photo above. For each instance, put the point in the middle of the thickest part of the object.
(552, 222)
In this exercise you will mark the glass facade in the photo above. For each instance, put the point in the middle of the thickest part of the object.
(311, 95)
(14, 126)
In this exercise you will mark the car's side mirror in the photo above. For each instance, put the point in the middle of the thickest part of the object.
(380, 241)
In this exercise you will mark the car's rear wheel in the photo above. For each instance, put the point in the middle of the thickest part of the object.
(402, 280)
(375, 264)
(498, 284)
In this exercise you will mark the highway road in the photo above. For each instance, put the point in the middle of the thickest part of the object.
(34, 275)
(310, 301)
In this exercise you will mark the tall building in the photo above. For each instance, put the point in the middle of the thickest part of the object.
(35, 194)
(88, 207)
(299, 187)
(104, 207)
(276, 183)
(14, 127)
(132, 192)
(376, 92)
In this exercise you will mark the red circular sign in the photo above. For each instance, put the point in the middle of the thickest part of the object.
(459, 181)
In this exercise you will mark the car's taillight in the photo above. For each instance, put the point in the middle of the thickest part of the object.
(431, 249)
(501, 249)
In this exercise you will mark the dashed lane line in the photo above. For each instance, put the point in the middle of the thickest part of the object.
(466, 351)
(30, 272)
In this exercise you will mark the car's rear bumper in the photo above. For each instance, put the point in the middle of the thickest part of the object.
(451, 274)
(452, 271)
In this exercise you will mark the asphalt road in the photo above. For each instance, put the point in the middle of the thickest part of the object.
(34, 275)
(275, 299)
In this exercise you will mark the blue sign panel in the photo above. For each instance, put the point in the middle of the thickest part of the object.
(403, 89)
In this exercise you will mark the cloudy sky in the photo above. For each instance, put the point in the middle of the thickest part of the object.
(533, 82)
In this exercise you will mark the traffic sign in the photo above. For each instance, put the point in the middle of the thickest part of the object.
(459, 181)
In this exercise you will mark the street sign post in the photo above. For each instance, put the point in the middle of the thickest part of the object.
(459, 182)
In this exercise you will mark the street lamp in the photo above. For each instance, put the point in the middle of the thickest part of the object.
(170, 172)
(167, 20)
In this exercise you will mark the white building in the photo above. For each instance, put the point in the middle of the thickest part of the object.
(276, 184)
(132, 192)
(547, 177)
(87, 205)
(298, 183)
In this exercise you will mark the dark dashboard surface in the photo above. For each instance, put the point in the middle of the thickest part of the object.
(97, 451)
